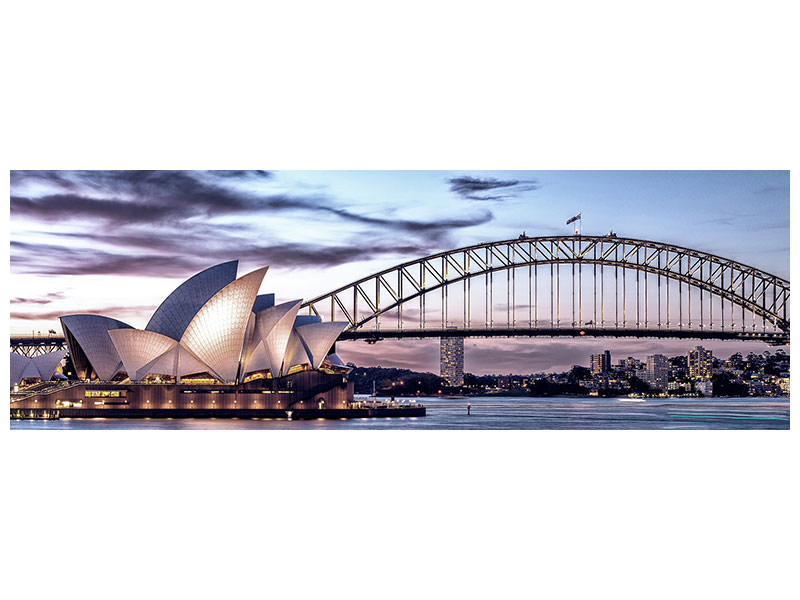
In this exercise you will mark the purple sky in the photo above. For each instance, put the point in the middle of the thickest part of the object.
(118, 242)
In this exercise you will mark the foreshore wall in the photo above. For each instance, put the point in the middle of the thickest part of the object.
(305, 390)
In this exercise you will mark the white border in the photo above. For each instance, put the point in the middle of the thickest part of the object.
(400, 514)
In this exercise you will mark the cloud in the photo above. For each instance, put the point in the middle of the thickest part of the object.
(48, 259)
(66, 207)
(138, 182)
(157, 223)
(155, 197)
(187, 199)
(257, 174)
(46, 300)
(188, 254)
(433, 229)
(474, 188)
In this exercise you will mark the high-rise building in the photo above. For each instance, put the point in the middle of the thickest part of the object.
(699, 363)
(657, 371)
(600, 363)
(451, 362)
(630, 366)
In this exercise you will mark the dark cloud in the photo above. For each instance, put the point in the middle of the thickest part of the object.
(130, 182)
(154, 197)
(310, 255)
(181, 198)
(65, 207)
(157, 223)
(46, 300)
(257, 174)
(474, 188)
(188, 255)
(435, 229)
(49, 259)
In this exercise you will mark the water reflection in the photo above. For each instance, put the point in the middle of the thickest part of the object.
(504, 413)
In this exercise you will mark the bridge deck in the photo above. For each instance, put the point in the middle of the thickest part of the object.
(773, 338)
(770, 337)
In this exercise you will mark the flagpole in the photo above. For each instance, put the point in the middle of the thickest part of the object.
(579, 218)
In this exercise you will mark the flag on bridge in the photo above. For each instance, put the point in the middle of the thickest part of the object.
(575, 218)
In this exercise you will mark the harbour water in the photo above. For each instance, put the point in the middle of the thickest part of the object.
(504, 412)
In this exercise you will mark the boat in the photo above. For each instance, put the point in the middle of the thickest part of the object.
(632, 398)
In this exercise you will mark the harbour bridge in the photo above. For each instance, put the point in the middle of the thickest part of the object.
(575, 285)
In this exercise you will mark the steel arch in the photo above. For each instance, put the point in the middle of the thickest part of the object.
(749, 288)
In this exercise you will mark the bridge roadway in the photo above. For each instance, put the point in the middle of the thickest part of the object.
(372, 335)
(29, 344)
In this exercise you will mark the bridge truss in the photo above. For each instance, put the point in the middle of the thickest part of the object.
(564, 285)
(31, 346)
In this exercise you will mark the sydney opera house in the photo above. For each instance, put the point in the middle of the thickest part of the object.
(213, 347)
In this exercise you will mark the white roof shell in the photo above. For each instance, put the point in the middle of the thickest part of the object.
(177, 310)
(178, 362)
(216, 334)
(334, 360)
(46, 364)
(138, 348)
(90, 332)
(18, 364)
(296, 353)
(39, 367)
(273, 327)
(318, 338)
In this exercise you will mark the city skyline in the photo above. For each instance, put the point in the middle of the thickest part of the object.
(78, 239)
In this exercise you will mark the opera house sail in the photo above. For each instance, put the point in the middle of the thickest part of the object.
(214, 347)
(213, 325)
(90, 345)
